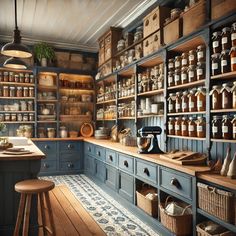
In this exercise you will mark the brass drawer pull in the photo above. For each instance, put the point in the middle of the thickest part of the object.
(70, 146)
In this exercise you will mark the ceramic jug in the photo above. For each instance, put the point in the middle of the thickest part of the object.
(225, 167)
(232, 168)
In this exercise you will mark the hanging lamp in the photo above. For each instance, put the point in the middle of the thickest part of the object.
(15, 63)
(16, 48)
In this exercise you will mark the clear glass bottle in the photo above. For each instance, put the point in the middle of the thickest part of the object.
(226, 38)
(192, 74)
(201, 55)
(171, 103)
(215, 64)
(226, 96)
(184, 61)
(184, 75)
(225, 61)
(216, 97)
(226, 128)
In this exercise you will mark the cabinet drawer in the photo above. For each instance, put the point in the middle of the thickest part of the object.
(89, 148)
(111, 177)
(180, 184)
(48, 166)
(126, 163)
(49, 149)
(69, 146)
(126, 186)
(69, 156)
(146, 170)
(111, 157)
(100, 153)
(69, 165)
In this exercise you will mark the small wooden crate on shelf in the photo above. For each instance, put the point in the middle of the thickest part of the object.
(220, 8)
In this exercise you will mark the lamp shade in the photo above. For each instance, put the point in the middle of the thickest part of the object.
(15, 63)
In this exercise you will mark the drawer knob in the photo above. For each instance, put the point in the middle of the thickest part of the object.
(89, 149)
(98, 153)
(146, 171)
(70, 146)
(126, 163)
(70, 165)
(46, 146)
(175, 182)
(110, 158)
(45, 166)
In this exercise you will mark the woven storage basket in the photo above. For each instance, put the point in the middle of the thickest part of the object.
(179, 225)
(217, 202)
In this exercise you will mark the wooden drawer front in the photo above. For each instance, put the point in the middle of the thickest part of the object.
(126, 163)
(111, 157)
(49, 149)
(108, 40)
(89, 148)
(69, 165)
(126, 186)
(176, 183)
(69, 146)
(100, 153)
(48, 166)
(69, 156)
(100, 170)
(147, 46)
(111, 177)
(220, 8)
(146, 170)
(156, 41)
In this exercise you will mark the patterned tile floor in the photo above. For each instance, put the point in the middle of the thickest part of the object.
(113, 218)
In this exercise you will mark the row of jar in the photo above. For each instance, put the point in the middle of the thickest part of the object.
(224, 127)
(25, 131)
(6, 76)
(66, 83)
(183, 126)
(126, 110)
(46, 132)
(18, 106)
(192, 101)
(108, 113)
(16, 117)
(12, 91)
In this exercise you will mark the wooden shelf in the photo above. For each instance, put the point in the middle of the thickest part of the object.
(17, 111)
(79, 103)
(18, 98)
(17, 84)
(108, 101)
(42, 87)
(188, 85)
(223, 111)
(187, 113)
(106, 119)
(151, 61)
(16, 70)
(223, 140)
(76, 89)
(71, 118)
(46, 121)
(151, 115)
(127, 70)
(186, 137)
(150, 93)
(18, 122)
(126, 118)
(42, 100)
(126, 97)
(230, 75)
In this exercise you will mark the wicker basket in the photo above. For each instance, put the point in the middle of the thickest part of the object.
(179, 225)
(217, 202)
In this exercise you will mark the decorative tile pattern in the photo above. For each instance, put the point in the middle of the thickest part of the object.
(113, 218)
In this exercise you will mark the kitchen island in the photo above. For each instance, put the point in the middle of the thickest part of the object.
(15, 168)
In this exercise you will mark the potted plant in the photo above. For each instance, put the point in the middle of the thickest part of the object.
(2, 128)
(44, 53)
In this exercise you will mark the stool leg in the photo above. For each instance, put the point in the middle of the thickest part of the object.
(19, 214)
(50, 213)
(27, 215)
(42, 211)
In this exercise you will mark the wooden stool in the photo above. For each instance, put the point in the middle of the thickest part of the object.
(27, 188)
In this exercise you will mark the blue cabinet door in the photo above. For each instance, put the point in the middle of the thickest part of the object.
(100, 170)
(112, 177)
(48, 148)
(126, 186)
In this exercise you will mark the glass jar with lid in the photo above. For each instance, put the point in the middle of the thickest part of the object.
(216, 127)
(171, 81)
(31, 117)
(171, 103)
(171, 126)
(200, 70)
(12, 91)
(31, 91)
(19, 117)
(216, 42)
(177, 77)
(177, 62)
(201, 55)
(7, 117)
(5, 91)
(19, 92)
(25, 92)
(192, 100)
(51, 132)
(216, 97)
(192, 75)
(192, 57)
(184, 61)
(184, 126)
(192, 127)
(185, 101)
(171, 66)
(27, 78)
(178, 102)
(233, 58)
(226, 128)
(32, 79)
(234, 127)
(233, 90)
(184, 75)
(11, 77)
(21, 78)
(201, 127)
(5, 76)
(226, 96)
(225, 61)
(233, 35)
(215, 64)
(201, 99)
(178, 126)
(225, 38)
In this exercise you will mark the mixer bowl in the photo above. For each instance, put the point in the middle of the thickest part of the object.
(144, 143)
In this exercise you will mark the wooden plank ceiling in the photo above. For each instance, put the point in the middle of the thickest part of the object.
(74, 24)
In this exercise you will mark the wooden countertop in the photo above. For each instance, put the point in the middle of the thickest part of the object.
(133, 151)
(58, 139)
(36, 154)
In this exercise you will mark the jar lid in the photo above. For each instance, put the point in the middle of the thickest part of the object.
(225, 29)
(225, 116)
(5, 73)
(184, 118)
(191, 118)
(50, 129)
(178, 93)
(185, 93)
(171, 60)
(178, 118)
(200, 118)
(199, 47)
(62, 127)
(171, 118)
(192, 91)
(217, 117)
(216, 86)
(184, 54)
(19, 88)
(171, 94)
(226, 85)
(216, 33)
(177, 57)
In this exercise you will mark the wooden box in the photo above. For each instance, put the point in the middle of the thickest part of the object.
(152, 43)
(75, 65)
(147, 46)
(220, 8)
(76, 57)
(173, 31)
(101, 53)
(138, 51)
(155, 20)
(156, 41)
(62, 56)
(106, 68)
(194, 18)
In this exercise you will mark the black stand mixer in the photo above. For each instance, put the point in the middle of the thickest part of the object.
(148, 143)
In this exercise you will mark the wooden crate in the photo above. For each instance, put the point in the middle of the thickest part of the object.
(76, 57)
(75, 65)
(101, 53)
(173, 31)
(62, 56)
(147, 46)
(220, 8)
(194, 18)
(156, 41)
(138, 51)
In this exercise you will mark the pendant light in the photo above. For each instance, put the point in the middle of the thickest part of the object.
(15, 48)
(15, 63)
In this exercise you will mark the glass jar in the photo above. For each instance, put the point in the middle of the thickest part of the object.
(177, 77)
(31, 91)
(63, 132)
(171, 126)
(200, 71)
(12, 91)
(171, 103)
(19, 92)
(177, 62)
(201, 99)
(19, 117)
(233, 35)
(171, 81)
(171, 64)
(184, 126)
(201, 56)
(233, 90)
(216, 98)
(192, 101)
(1, 76)
(226, 128)
(234, 127)
(51, 132)
(192, 75)
(215, 64)
(32, 79)
(11, 77)
(160, 82)
(201, 127)
(216, 127)
(16, 78)
(25, 92)
(5, 76)
(184, 61)
(178, 126)
(216, 44)
(233, 58)
(226, 96)
(178, 102)
(185, 101)
(192, 57)
(27, 78)
(23, 106)
(225, 61)
(5, 91)
(25, 117)
(13, 117)
(7, 117)
(225, 38)
(184, 75)
(21, 78)
(192, 127)
(31, 117)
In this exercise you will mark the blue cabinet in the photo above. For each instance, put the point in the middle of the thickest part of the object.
(126, 163)
(126, 186)
(112, 177)
(100, 170)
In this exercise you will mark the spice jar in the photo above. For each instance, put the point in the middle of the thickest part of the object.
(233, 58)
(201, 124)
(192, 127)
(216, 38)
(177, 62)
(233, 90)
(19, 92)
(27, 78)
(171, 126)
(225, 38)
(192, 100)
(31, 117)
(216, 127)
(31, 91)
(234, 127)
(13, 117)
(233, 35)
(178, 126)
(22, 78)
(201, 99)
(25, 117)
(226, 96)
(171, 81)
(216, 98)
(192, 75)
(184, 126)
(192, 57)
(226, 128)
(177, 77)
(178, 102)
(201, 56)
(185, 101)
(171, 103)
(16, 78)
(215, 64)
(6, 117)
(30, 106)
(5, 76)
(225, 61)
(51, 132)
(5, 91)
(171, 64)
(184, 75)
(184, 61)
(11, 77)
(32, 79)
(25, 92)
(200, 71)
(12, 91)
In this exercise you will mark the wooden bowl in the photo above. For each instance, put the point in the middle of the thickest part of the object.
(86, 130)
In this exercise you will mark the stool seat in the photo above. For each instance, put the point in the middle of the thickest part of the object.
(34, 186)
